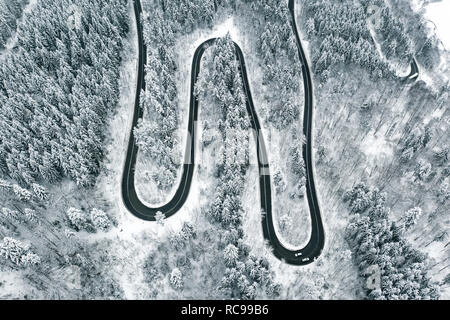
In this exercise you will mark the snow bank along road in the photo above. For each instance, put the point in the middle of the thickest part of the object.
(295, 257)
(414, 73)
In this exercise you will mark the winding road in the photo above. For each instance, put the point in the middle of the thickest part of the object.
(315, 245)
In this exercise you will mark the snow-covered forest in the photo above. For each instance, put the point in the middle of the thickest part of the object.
(68, 76)
(376, 240)
(57, 89)
(10, 11)
(381, 143)
(217, 247)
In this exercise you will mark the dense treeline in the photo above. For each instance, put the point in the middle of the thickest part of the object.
(57, 88)
(296, 163)
(390, 29)
(344, 35)
(376, 241)
(344, 38)
(185, 16)
(280, 61)
(233, 124)
(10, 11)
(155, 132)
(426, 44)
(244, 273)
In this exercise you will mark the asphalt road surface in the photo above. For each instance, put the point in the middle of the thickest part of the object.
(315, 245)
(414, 73)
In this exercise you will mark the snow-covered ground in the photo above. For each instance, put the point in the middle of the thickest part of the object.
(438, 12)
(13, 285)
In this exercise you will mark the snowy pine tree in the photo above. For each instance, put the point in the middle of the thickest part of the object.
(100, 219)
(410, 217)
(176, 279)
(77, 218)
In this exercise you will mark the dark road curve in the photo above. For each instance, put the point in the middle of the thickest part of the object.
(414, 73)
(315, 245)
